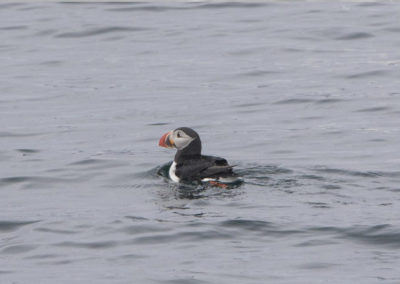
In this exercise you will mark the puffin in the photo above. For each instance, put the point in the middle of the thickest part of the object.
(190, 165)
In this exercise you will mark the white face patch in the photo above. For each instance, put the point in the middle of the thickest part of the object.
(181, 139)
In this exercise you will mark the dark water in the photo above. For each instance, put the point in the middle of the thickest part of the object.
(303, 97)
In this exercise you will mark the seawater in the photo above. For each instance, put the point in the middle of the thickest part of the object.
(303, 97)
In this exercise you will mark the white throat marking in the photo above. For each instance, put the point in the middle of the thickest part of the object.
(172, 174)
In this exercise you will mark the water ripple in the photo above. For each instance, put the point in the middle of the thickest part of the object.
(56, 231)
(183, 237)
(348, 172)
(257, 73)
(96, 164)
(27, 151)
(141, 229)
(329, 101)
(8, 226)
(182, 281)
(146, 8)
(6, 271)
(355, 36)
(10, 5)
(224, 5)
(89, 245)
(378, 235)
(373, 109)
(14, 28)
(99, 31)
(34, 181)
(248, 225)
(17, 249)
(393, 29)
(293, 101)
(211, 6)
(367, 74)
(122, 3)
(10, 134)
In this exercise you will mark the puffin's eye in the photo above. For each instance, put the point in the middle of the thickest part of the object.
(179, 135)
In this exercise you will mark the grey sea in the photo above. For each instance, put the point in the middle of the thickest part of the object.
(303, 97)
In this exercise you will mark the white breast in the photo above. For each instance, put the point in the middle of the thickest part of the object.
(172, 174)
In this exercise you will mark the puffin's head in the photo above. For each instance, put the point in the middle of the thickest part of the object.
(181, 138)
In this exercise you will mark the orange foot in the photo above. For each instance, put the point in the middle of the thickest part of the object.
(218, 184)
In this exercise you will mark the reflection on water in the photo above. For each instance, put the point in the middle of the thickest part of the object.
(302, 97)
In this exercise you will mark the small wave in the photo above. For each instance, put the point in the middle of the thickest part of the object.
(123, 3)
(51, 62)
(125, 257)
(211, 6)
(31, 8)
(13, 180)
(393, 29)
(10, 5)
(252, 225)
(16, 249)
(373, 109)
(136, 218)
(28, 151)
(56, 231)
(293, 101)
(318, 204)
(43, 256)
(8, 226)
(224, 5)
(188, 236)
(99, 31)
(158, 123)
(353, 36)
(146, 8)
(329, 101)
(367, 74)
(6, 271)
(383, 234)
(348, 172)
(14, 28)
(10, 134)
(247, 105)
(190, 280)
(331, 186)
(315, 242)
(142, 229)
(258, 73)
(312, 177)
(319, 265)
(88, 245)
(255, 170)
(34, 181)
(371, 4)
(268, 175)
(96, 164)
(46, 32)
(260, 227)
(88, 162)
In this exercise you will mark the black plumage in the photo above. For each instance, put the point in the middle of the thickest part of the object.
(192, 166)
(196, 168)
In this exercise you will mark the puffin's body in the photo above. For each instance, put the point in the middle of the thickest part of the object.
(189, 165)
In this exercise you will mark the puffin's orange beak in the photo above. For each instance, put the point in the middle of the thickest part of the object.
(166, 141)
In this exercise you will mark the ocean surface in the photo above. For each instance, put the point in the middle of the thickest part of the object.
(303, 97)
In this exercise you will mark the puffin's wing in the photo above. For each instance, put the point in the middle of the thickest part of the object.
(216, 171)
(192, 169)
(218, 167)
(206, 167)
(217, 161)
